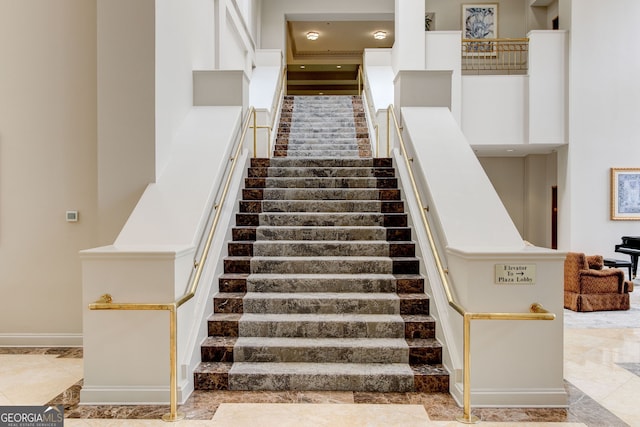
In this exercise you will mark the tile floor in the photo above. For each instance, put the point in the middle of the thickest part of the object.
(602, 373)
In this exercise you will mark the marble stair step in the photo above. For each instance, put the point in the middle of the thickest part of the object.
(334, 140)
(321, 194)
(365, 282)
(345, 233)
(320, 248)
(321, 303)
(325, 264)
(321, 172)
(334, 206)
(321, 113)
(320, 161)
(322, 182)
(320, 350)
(330, 182)
(327, 153)
(369, 377)
(316, 144)
(308, 325)
(328, 131)
(331, 219)
(312, 111)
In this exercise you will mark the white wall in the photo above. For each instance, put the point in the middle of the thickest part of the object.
(235, 42)
(47, 166)
(494, 109)
(540, 178)
(184, 42)
(507, 176)
(126, 109)
(604, 127)
(524, 186)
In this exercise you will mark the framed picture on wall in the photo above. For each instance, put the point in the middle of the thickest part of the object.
(480, 21)
(625, 193)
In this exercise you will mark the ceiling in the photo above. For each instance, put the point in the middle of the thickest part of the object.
(329, 65)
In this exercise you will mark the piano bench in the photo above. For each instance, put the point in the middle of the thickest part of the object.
(618, 263)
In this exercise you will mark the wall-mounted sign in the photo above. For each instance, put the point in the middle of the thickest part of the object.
(515, 274)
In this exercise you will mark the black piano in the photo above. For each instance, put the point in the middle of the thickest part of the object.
(630, 246)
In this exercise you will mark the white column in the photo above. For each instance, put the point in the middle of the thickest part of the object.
(409, 46)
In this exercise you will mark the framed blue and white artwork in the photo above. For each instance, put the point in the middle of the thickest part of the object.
(625, 193)
(480, 21)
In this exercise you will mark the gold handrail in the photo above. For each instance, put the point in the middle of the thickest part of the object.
(363, 87)
(106, 301)
(536, 311)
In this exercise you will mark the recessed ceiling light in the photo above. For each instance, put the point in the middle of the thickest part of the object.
(303, 67)
(338, 66)
(312, 35)
(380, 35)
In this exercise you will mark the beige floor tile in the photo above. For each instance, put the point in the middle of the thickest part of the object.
(623, 402)
(36, 379)
(320, 415)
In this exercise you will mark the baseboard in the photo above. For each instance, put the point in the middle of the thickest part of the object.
(123, 395)
(40, 340)
(505, 398)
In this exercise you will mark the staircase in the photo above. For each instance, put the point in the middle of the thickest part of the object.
(321, 289)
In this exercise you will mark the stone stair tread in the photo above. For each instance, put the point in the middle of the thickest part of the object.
(308, 232)
(423, 342)
(213, 367)
(320, 214)
(305, 317)
(365, 377)
(365, 282)
(323, 248)
(320, 161)
(322, 242)
(321, 172)
(293, 259)
(322, 295)
(334, 276)
(322, 342)
(321, 368)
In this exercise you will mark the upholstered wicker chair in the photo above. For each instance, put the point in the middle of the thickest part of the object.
(589, 287)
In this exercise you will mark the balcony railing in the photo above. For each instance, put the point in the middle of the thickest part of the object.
(495, 56)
